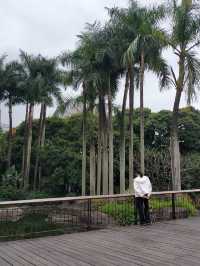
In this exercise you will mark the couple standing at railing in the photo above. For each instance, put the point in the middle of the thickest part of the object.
(142, 190)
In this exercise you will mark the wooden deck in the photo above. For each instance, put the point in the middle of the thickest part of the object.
(170, 243)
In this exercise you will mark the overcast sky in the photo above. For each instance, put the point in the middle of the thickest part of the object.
(49, 27)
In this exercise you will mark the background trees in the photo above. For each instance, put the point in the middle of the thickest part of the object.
(61, 156)
(125, 47)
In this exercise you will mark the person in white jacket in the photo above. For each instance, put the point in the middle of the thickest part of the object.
(142, 191)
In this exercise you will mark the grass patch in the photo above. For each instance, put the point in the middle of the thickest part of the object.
(123, 212)
(181, 202)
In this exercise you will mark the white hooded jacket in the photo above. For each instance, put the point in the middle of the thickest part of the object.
(142, 186)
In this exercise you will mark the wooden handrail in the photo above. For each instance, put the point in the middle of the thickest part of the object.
(70, 199)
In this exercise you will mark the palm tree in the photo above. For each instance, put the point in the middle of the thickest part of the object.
(124, 23)
(80, 75)
(146, 50)
(184, 40)
(50, 78)
(32, 85)
(11, 76)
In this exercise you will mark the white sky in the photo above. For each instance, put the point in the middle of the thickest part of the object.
(49, 27)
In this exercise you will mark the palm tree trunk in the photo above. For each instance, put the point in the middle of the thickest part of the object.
(42, 144)
(38, 148)
(110, 136)
(105, 149)
(25, 141)
(175, 151)
(99, 159)
(142, 113)
(92, 169)
(84, 144)
(28, 147)
(122, 138)
(10, 137)
(131, 103)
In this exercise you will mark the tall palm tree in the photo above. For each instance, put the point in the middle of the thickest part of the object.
(50, 79)
(32, 85)
(184, 40)
(146, 50)
(11, 76)
(79, 75)
(124, 23)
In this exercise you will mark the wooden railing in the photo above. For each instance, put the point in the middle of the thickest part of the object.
(58, 200)
(29, 218)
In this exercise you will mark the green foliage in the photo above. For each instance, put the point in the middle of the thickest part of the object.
(11, 193)
(28, 226)
(3, 148)
(181, 202)
(61, 155)
(123, 212)
(11, 178)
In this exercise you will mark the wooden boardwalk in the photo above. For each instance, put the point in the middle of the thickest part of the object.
(170, 243)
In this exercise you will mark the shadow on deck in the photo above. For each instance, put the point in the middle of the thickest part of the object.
(171, 243)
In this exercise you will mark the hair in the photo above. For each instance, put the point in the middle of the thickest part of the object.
(139, 173)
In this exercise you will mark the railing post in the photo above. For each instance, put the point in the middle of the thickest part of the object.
(89, 212)
(135, 211)
(173, 206)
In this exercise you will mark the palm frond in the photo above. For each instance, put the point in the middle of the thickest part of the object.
(131, 52)
(192, 76)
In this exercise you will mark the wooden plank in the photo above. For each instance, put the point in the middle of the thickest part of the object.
(53, 254)
(14, 259)
(33, 256)
(4, 262)
(170, 243)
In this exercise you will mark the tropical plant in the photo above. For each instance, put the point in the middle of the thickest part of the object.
(184, 38)
(146, 49)
(11, 75)
(50, 79)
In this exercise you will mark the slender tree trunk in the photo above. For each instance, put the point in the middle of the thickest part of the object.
(0, 117)
(110, 136)
(42, 144)
(142, 113)
(122, 138)
(131, 103)
(105, 149)
(99, 159)
(28, 147)
(92, 169)
(10, 137)
(25, 142)
(175, 151)
(38, 148)
(84, 144)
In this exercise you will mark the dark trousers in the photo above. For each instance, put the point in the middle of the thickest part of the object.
(142, 208)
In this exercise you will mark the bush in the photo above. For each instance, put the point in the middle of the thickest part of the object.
(11, 193)
(37, 195)
(123, 213)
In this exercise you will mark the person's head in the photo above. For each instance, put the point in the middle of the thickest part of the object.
(139, 173)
